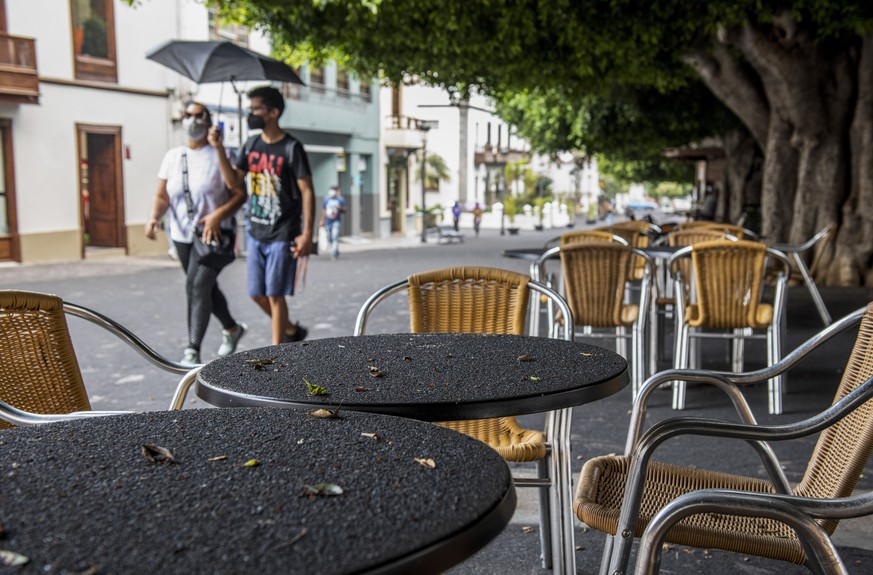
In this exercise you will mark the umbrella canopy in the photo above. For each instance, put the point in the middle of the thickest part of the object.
(219, 62)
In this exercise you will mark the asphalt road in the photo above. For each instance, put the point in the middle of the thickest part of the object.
(147, 295)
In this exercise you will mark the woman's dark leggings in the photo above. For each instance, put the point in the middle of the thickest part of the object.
(204, 297)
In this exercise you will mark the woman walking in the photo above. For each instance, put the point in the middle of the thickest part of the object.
(191, 189)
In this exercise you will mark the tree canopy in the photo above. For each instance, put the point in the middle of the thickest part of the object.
(798, 74)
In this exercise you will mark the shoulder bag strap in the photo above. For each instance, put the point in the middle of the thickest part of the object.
(186, 189)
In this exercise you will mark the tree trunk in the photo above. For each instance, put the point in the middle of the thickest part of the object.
(779, 179)
(743, 165)
(810, 92)
(852, 250)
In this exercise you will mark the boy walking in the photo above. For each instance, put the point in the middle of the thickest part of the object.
(281, 209)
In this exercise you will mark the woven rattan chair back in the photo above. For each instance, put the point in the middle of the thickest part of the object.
(638, 225)
(693, 236)
(732, 229)
(728, 276)
(595, 275)
(636, 234)
(842, 450)
(39, 371)
(690, 237)
(586, 236)
(468, 300)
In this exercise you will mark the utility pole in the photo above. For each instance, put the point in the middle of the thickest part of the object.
(424, 126)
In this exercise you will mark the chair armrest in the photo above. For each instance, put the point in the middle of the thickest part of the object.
(790, 510)
(717, 379)
(127, 336)
(373, 301)
(726, 381)
(792, 248)
(23, 418)
(851, 320)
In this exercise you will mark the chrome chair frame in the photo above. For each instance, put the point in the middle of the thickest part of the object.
(640, 445)
(138, 345)
(773, 335)
(799, 513)
(795, 252)
(557, 539)
(638, 329)
(20, 417)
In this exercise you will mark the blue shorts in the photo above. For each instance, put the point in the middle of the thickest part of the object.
(271, 268)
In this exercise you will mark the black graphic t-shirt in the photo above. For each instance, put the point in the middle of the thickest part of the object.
(275, 204)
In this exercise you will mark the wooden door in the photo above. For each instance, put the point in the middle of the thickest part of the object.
(101, 187)
(9, 248)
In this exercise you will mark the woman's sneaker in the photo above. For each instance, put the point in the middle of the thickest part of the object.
(191, 357)
(230, 339)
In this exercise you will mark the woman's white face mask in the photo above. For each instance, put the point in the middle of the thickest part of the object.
(195, 128)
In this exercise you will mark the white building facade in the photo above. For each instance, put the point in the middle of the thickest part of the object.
(85, 120)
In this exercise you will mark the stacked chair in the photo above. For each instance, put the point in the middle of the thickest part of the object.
(735, 230)
(596, 276)
(727, 302)
(494, 301)
(623, 494)
(40, 379)
(663, 297)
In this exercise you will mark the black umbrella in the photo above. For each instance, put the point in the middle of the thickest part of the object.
(220, 62)
(214, 61)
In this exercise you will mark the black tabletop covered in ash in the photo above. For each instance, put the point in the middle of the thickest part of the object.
(82, 497)
(432, 377)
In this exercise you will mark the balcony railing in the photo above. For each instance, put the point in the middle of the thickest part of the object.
(403, 132)
(19, 80)
(502, 155)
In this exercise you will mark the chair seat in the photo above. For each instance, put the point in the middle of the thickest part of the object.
(504, 435)
(601, 489)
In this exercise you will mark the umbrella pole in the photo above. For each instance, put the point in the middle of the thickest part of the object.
(239, 111)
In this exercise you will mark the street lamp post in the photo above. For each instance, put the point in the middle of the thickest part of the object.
(501, 190)
(425, 126)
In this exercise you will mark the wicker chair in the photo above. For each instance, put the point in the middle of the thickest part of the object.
(726, 302)
(488, 300)
(637, 234)
(596, 275)
(663, 296)
(621, 494)
(733, 229)
(40, 379)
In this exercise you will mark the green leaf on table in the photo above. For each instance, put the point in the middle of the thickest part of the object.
(315, 389)
(534, 378)
(251, 463)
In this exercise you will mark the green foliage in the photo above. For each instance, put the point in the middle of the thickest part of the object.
(510, 208)
(436, 171)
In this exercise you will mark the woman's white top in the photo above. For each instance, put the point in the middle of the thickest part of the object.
(205, 183)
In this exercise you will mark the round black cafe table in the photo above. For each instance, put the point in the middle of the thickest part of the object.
(248, 491)
(433, 377)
